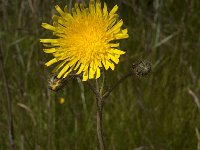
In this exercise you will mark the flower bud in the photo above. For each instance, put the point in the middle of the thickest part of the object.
(142, 68)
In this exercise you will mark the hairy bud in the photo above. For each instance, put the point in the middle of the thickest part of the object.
(142, 68)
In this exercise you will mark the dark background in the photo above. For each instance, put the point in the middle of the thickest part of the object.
(157, 112)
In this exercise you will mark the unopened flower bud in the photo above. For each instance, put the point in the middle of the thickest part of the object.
(142, 68)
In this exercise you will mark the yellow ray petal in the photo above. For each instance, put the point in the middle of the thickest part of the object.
(50, 50)
(65, 68)
(67, 73)
(98, 8)
(106, 66)
(62, 22)
(49, 40)
(80, 69)
(78, 64)
(125, 31)
(72, 62)
(105, 11)
(100, 64)
(82, 7)
(91, 73)
(55, 18)
(116, 51)
(85, 75)
(68, 17)
(98, 73)
(74, 14)
(49, 63)
(48, 26)
(113, 11)
(117, 56)
(116, 27)
(57, 68)
(91, 7)
(59, 10)
(110, 64)
(78, 11)
(121, 36)
(112, 21)
(66, 9)
(114, 59)
(114, 45)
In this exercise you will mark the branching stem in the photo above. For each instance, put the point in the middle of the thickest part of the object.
(100, 98)
(106, 94)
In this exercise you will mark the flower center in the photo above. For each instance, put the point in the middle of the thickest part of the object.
(88, 37)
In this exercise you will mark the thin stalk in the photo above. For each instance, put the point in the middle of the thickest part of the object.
(100, 98)
(116, 84)
(99, 102)
(99, 123)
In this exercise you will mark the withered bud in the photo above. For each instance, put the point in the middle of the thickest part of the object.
(56, 84)
(142, 68)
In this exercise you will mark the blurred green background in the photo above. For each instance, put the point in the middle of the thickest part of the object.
(158, 112)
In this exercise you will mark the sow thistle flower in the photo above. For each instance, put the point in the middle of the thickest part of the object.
(86, 40)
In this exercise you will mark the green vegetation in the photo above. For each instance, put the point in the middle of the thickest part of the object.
(158, 112)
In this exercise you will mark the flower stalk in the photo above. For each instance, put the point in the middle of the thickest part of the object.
(99, 102)
(140, 69)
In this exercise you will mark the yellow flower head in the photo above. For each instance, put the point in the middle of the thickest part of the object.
(86, 40)
(61, 100)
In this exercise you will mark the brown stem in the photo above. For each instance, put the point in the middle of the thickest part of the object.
(116, 84)
(99, 102)
(92, 88)
(9, 103)
(99, 123)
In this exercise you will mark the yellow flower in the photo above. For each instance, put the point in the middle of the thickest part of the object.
(61, 100)
(86, 40)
